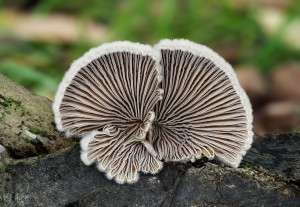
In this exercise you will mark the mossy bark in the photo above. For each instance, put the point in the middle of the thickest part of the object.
(26, 122)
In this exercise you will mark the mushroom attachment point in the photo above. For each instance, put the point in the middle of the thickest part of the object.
(108, 97)
(204, 111)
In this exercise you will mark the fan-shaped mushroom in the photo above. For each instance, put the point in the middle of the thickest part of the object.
(108, 97)
(112, 98)
(204, 110)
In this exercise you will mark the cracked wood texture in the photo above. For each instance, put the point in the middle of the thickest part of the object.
(269, 175)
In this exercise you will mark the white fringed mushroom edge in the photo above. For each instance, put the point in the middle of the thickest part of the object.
(92, 54)
(203, 51)
(84, 142)
(84, 153)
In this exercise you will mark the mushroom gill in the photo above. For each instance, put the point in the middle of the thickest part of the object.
(204, 110)
(112, 98)
(108, 97)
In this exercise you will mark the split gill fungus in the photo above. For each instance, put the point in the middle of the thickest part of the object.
(135, 106)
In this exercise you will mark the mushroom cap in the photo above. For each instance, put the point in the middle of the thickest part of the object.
(204, 110)
(108, 97)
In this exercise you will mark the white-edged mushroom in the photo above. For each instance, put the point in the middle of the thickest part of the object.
(204, 110)
(108, 97)
(112, 98)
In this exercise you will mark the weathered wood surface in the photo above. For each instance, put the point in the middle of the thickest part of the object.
(268, 176)
(26, 122)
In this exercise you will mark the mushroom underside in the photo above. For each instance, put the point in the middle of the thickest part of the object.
(121, 157)
(200, 113)
(115, 103)
(109, 102)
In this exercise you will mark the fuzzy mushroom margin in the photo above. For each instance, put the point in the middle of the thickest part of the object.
(174, 57)
(107, 97)
(88, 57)
(125, 138)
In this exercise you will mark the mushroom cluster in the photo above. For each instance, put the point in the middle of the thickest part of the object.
(135, 106)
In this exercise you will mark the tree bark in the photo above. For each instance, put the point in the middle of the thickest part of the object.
(26, 122)
(269, 175)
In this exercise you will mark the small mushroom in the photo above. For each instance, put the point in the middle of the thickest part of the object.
(204, 110)
(108, 97)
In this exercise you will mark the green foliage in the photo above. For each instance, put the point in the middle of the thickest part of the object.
(40, 65)
(28, 76)
(201, 21)
(7, 105)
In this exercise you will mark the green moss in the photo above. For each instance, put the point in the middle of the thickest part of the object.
(2, 115)
(9, 102)
(35, 130)
(266, 179)
(38, 131)
(9, 105)
(1, 165)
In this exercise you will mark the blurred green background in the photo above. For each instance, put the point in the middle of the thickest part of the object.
(261, 39)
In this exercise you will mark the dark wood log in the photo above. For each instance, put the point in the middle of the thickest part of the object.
(269, 175)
